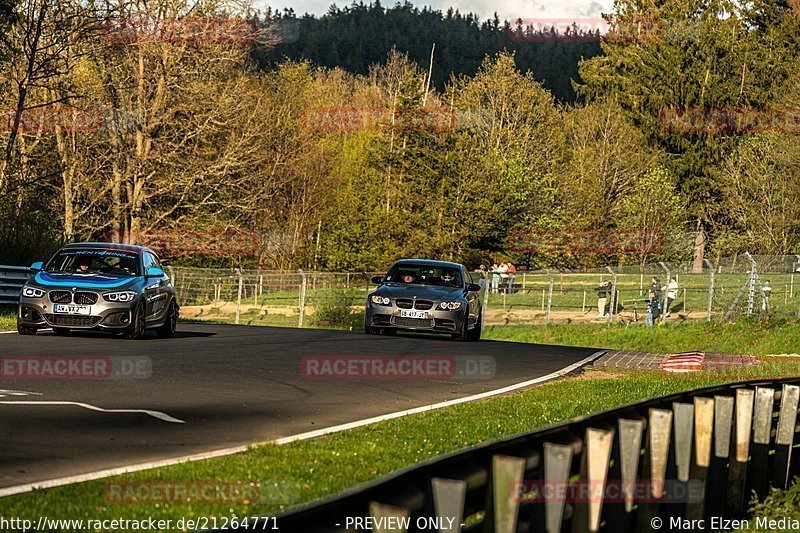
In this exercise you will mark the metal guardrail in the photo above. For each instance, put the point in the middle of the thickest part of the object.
(12, 278)
(693, 455)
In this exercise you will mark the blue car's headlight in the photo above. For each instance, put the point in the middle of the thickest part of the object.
(450, 305)
(380, 300)
(32, 292)
(123, 296)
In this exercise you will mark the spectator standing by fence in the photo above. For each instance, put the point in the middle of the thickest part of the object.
(766, 290)
(512, 274)
(503, 270)
(495, 272)
(603, 292)
(653, 308)
(672, 293)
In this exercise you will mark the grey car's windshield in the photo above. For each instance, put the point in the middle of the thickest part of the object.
(411, 274)
(107, 262)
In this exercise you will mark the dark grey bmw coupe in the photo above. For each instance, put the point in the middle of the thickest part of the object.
(427, 297)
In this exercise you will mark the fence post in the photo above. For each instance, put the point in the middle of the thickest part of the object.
(174, 284)
(613, 294)
(665, 291)
(239, 294)
(302, 298)
(485, 307)
(751, 287)
(710, 289)
(549, 297)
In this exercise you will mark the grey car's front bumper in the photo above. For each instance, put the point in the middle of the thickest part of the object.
(39, 313)
(439, 321)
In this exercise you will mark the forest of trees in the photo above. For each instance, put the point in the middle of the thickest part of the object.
(358, 36)
(109, 135)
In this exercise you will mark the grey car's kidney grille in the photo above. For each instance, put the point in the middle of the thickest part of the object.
(85, 298)
(412, 322)
(423, 305)
(404, 303)
(60, 297)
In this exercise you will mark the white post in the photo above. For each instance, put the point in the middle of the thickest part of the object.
(549, 298)
(710, 289)
(302, 299)
(239, 295)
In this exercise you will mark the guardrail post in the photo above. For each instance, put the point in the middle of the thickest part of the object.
(611, 308)
(302, 298)
(710, 289)
(449, 496)
(239, 294)
(784, 437)
(549, 297)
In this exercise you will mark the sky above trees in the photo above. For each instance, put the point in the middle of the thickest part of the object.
(506, 9)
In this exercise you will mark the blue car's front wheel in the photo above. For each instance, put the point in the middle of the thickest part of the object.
(137, 328)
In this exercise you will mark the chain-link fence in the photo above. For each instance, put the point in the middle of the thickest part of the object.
(726, 290)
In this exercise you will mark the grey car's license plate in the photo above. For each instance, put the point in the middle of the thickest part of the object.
(72, 309)
(410, 313)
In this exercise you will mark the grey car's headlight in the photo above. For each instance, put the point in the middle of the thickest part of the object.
(123, 296)
(380, 300)
(32, 292)
(450, 305)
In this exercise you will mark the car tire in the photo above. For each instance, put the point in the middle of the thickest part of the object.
(137, 328)
(61, 332)
(170, 326)
(474, 334)
(369, 330)
(25, 330)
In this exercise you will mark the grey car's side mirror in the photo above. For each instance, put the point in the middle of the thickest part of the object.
(154, 272)
(37, 266)
(473, 287)
(377, 280)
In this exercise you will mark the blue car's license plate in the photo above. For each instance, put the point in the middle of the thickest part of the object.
(69, 309)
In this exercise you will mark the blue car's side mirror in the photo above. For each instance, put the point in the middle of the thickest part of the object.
(154, 272)
(37, 266)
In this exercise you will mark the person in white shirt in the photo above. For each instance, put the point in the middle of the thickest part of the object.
(672, 293)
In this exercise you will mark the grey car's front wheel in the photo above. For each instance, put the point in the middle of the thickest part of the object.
(137, 328)
(369, 330)
(167, 330)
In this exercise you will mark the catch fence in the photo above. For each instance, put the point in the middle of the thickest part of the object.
(726, 290)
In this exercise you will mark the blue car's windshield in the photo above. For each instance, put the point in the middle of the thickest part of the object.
(425, 275)
(107, 262)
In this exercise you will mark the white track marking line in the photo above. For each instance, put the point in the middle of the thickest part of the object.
(5, 332)
(91, 476)
(155, 414)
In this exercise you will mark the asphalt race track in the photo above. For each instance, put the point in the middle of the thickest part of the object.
(228, 385)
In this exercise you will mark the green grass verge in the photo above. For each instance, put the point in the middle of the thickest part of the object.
(8, 318)
(744, 336)
(304, 471)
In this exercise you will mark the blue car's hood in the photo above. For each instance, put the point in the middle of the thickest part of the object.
(92, 281)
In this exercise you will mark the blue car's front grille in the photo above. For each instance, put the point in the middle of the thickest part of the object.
(60, 297)
(85, 298)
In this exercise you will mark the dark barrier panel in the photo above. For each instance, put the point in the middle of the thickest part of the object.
(698, 455)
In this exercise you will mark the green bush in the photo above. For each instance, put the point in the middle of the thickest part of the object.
(333, 309)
